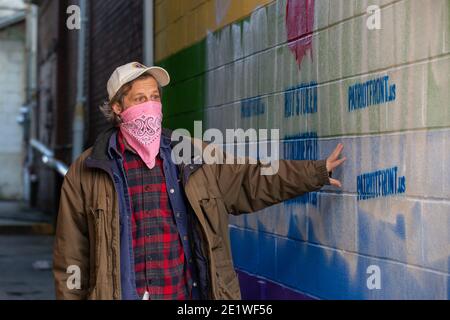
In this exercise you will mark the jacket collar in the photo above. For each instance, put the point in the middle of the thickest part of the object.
(105, 146)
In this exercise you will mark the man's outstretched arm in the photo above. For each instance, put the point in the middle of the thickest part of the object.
(245, 189)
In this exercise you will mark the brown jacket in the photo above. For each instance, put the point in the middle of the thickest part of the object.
(87, 233)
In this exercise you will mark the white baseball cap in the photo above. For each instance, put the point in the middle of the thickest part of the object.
(131, 71)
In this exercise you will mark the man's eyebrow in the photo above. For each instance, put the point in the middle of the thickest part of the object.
(137, 95)
(143, 94)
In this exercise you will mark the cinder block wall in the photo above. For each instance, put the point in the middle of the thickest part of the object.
(314, 70)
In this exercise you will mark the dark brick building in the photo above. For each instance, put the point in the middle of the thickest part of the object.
(114, 36)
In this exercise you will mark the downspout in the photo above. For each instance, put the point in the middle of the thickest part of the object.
(29, 109)
(148, 33)
(78, 119)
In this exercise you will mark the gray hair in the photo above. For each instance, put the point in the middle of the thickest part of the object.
(106, 106)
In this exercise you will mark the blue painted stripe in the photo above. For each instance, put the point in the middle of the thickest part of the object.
(327, 273)
(254, 287)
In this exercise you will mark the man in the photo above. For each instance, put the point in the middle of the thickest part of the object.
(134, 225)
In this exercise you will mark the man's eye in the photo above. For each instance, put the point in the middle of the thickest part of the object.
(156, 98)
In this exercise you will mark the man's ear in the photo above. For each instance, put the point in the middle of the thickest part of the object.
(116, 108)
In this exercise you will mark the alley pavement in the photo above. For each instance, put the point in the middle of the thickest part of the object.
(26, 243)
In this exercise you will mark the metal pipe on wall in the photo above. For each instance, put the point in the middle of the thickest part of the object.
(78, 119)
(148, 34)
(29, 109)
(48, 157)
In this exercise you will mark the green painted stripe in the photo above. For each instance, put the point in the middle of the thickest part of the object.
(187, 63)
(184, 120)
(186, 93)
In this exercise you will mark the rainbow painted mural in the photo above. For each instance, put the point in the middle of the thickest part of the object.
(316, 71)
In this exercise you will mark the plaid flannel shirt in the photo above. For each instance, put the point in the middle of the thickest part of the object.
(160, 264)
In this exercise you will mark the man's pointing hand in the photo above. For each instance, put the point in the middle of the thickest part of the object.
(333, 162)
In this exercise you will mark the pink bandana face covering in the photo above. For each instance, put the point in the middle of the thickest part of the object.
(141, 128)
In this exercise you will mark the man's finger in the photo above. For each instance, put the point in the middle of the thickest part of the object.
(335, 183)
(337, 151)
(337, 163)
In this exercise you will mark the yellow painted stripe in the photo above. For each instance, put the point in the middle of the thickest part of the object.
(181, 23)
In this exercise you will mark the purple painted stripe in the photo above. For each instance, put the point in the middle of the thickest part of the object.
(257, 288)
